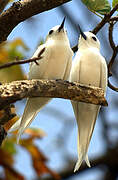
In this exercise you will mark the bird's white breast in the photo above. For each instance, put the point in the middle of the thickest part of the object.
(89, 63)
(57, 62)
(54, 62)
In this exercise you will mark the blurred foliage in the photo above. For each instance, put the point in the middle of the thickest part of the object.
(99, 6)
(11, 51)
(114, 2)
(9, 150)
(14, 50)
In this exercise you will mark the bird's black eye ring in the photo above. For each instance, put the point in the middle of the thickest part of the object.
(94, 38)
(50, 32)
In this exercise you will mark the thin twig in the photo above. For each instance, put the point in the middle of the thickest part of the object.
(115, 18)
(9, 64)
(114, 48)
(105, 20)
(111, 62)
(112, 87)
(111, 41)
(115, 52)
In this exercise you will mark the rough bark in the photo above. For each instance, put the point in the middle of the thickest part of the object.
(6, 114)
(17, 90)
(22, 10)
(3, 3)
(3, 134)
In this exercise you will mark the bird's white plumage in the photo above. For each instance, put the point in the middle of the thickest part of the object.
(55, 64)
(89, 68)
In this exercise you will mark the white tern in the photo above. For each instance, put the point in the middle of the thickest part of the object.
(89, 67)
(55, 64)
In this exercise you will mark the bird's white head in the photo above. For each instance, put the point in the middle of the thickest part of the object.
(57, 33)
(88, 40)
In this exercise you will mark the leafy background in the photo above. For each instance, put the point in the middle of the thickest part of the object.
(50, 146)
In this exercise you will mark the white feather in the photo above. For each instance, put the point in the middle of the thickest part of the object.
(55, 64)
(89, 68)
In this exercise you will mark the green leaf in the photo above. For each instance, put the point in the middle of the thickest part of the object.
(9, 146)
(101, 6)
(114, 2)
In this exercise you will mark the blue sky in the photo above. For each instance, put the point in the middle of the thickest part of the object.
(32, 35)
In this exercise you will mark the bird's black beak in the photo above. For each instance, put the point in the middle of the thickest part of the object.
(82, 33)
(62, 25)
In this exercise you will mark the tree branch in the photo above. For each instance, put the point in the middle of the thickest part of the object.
(10, 18)
(112, 87)
(115, 52)
(6, 114)
(105, 20)
(13, 63)
(111, 41)
(3, 134)
(17, 90)
(3, 3)
(114, 48)
(115, 18)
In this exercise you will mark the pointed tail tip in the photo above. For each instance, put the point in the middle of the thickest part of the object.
(77, 166)
(79, 162)
(88, 164)
(87, 161)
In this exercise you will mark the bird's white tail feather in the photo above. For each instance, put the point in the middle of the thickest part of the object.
(33, 106)
(25, 125)
(80, 160)
(87, 161)
(86, 115)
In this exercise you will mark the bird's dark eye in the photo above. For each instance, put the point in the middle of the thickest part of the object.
(51, 31)
(94, 38)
